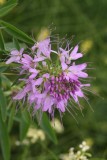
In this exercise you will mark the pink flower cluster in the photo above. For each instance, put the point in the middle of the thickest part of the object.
(50, 83)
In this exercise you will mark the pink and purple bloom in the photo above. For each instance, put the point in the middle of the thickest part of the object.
(15, 56)
(50, 85)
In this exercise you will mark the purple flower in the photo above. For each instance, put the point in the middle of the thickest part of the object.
(78, 70)
(27, 62)
(43, 47)
(74, 71)
(74, 55)
(67, 55)
(50, 85)
(15, 56)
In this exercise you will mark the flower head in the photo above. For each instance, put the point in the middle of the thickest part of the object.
(50, 84)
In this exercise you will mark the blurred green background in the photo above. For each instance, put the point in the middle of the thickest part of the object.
(86, 20)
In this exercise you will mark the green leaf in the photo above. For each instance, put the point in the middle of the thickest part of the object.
(9, 2)
(11, 117)
(4, 139)
(10, 46)
(24, 125)
(5, 82)
(15, 32)
(7, 7)
(16, 80)
(1, 41)
(97, 159)
(3, 105)
(26, 116)
(0, 81)
(3, 68)
(45, 125)
(16, 44)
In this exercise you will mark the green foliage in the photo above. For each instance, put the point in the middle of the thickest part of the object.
(7, 7)
(2, 68)
(24, 124)
(4, 139)
(45, 125)
(3, 105)
(97, 159)
(1, 42)
(15, 32)
(11, 118)
(16, 44)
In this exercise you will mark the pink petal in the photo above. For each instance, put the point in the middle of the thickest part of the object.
(21, 51)
(61, 106)
(34, 47)
(40, 96)
(46, 75)
(64, 52)
(82, 74)
(79, 93)
(38, 54)
(38, 81)
(45, 47)
(33, 70)
(74, 51)
(10, 60)
(74, 97)
(23, 92)
(72, 76)
(85, 85)
(17, 59)
(38, 59)
(47, 103)
(76, 68)
(20, 95)
(62, 58)
(78, 55)
(37, 107)
(64, 66)
(14, 52)
(27, 57)
(81, 66)
(33, 75)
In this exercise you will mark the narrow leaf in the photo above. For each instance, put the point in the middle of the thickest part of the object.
(45, 125)
(26, 116)
(0, 81)
(15, 32)
(3, 68)
(9, 2)
(11, 46)
(4, 10)
(3, 105)
(11, 117)
(1, 41)
(16, 44)
(24, 126)
(5, 82)
(8, 6)
(4, 139)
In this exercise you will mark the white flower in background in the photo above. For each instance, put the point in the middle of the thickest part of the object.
(84, 146)
(35, 134)
(81, 154)
(25, 142)
(58, 127)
